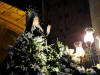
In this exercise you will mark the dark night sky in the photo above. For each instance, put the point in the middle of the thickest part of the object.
(36, 4)
(23, 4)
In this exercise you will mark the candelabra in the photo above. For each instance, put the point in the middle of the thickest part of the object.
(89, 40)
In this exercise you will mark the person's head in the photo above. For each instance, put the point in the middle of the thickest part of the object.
(30, 16)
(36, 20)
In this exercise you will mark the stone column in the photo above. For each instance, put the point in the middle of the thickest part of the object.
(95, 14)
(95, 19)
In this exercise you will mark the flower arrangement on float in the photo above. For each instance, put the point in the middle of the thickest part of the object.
(33, 55)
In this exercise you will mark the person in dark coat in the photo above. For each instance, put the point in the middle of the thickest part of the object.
(32, 23)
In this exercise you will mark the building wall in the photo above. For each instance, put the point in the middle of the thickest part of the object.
(68, 19)
(12, 24)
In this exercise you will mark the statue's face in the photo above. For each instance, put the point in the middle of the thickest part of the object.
(36, 20)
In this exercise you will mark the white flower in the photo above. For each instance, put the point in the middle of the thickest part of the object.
(29, 35)
(67, 70)
(56, 69)
(35, 66)
(60, 54)
(38, 39)
(69, 51)
(39, 48)
(80, 52)
(42, 56)
(76, 59)
(91, 71)
(98, 66)
(66, 51)
(81, 69)
(44, 69)
(62, 48)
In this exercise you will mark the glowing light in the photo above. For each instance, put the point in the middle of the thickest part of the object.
(98, 66)
(89, 35)
(79, 49)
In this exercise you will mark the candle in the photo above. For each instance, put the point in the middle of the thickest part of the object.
(79, 49)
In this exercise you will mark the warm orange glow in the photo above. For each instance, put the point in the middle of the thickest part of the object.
(12, 24)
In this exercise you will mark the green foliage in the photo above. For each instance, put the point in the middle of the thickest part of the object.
(33, 56)
(33, 53)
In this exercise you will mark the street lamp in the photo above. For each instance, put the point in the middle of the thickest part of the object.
(89, 39)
